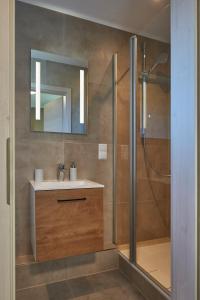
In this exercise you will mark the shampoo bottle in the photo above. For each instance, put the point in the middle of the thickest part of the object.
(73, 171)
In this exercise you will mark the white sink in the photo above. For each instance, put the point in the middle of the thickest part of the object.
(64, 185)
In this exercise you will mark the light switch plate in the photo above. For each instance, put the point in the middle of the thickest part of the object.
(102, 152)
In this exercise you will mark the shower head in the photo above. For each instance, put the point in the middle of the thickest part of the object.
(162, 59)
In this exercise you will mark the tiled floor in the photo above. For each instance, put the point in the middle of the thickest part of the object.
(110, 285)
(154, 257)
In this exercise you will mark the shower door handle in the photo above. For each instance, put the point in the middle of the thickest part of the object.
(8, 170)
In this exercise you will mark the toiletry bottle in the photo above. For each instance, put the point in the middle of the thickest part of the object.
(39, 175)
(73, 171)
(61, 172)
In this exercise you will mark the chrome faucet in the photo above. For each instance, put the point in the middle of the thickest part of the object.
(61, 172)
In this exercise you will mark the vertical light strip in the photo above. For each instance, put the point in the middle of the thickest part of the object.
(65, 102)
(38, 95)
(82, 96)
(144, 106)
(64, 114)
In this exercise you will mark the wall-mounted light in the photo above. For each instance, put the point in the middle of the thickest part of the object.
(82, 96)
(38, 95)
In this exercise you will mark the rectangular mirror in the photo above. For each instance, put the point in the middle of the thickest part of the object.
(58, 93)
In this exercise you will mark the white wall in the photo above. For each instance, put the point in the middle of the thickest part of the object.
(7, 206)
(184, 147)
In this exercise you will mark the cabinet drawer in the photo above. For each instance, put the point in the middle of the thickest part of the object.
(68, 222)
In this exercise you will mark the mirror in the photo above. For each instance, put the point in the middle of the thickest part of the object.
(58, 93)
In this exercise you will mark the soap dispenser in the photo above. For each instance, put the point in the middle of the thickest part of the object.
(61, 172)
(73, 171)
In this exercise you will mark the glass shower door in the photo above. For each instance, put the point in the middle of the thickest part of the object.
(150, 159)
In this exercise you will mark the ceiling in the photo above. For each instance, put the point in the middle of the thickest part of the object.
(150, 18)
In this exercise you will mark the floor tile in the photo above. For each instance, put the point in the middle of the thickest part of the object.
(155, 258)
(110, 285)
(35, 293)
(59, 291)
(93, 296)
(101, 281)
(107, 280)
(122, 294)
(80, 287)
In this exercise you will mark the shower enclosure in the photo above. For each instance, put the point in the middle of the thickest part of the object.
(146, 241)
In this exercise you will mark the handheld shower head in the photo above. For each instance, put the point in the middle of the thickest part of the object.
(162, 59)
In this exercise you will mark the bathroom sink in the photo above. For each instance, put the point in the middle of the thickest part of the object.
(64, 185)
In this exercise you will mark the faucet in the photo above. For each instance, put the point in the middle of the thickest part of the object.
(61, 172)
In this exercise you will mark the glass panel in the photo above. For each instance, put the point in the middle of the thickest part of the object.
(149, 246)
(153, 161)
(121, 144)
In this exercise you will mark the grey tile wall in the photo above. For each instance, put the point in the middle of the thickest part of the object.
(47, 30)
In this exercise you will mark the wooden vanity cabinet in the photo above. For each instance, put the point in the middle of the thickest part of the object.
(66, 223)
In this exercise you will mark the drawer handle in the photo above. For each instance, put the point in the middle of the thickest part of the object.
(75, 199)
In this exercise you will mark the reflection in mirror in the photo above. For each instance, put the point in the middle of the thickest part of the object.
(58, 93)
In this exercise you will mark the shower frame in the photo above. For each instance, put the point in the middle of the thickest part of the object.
(133, 143)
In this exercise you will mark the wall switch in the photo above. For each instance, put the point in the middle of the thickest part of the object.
(102, 152)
